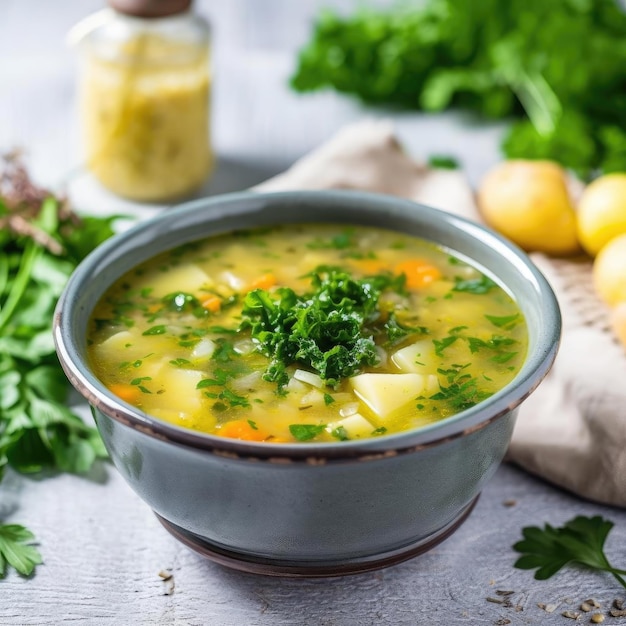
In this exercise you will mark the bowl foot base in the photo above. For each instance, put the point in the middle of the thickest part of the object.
(311, 569)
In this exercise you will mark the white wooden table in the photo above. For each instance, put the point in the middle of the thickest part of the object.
(103, 548)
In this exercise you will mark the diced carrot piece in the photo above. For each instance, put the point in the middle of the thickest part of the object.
(263, 282)
(241, 429)
(212, 303)
(128, 393)
(418, 273)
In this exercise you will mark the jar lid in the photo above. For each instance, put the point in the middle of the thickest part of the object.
(150, 8)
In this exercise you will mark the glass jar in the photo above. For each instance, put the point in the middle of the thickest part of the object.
(144, 100)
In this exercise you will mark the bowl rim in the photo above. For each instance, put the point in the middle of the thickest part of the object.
(536, 365)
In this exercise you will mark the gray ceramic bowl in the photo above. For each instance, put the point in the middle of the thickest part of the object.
(308, 509)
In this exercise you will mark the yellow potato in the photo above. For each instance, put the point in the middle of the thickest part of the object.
(602, 212)
(609, 271)
(529, 202)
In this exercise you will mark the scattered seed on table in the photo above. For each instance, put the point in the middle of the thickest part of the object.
(597, 618)
(571, 614)
(593, 603)
(618, 612)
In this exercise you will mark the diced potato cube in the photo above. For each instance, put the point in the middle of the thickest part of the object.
(385, 394)
(295, 386)
(313, 397)
(419, 358)
(356, 426)
(118, 342)
(123, 346)
(180, 390)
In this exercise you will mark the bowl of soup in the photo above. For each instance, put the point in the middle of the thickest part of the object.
(307, 383)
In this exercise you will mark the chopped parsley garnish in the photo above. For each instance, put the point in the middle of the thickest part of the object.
(507, 321)
(503, 357)
(306, 432)
(442, 344)
(221, 377)
(155, 330)
(396, 331)
(495, 343)
(233, 398)
(480, 285)
(222, 330)
(224, 351)
(137, 382)
(341, 241)
(180, 301)
(462, 391)
(340, 433)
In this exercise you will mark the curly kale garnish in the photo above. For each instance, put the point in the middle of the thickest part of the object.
(325, 329)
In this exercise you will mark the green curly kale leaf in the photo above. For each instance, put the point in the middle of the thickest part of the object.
(325, 329)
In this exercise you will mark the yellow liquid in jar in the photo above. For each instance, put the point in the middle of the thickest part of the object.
(145, 114)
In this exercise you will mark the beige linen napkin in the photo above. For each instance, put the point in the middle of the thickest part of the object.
(572, 430)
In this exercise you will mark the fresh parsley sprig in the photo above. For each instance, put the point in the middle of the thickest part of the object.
(16, 550)
(506, 60)
(41, 242)
(579, 541)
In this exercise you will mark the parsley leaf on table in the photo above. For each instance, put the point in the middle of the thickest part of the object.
(558, 67)
(15, 550)
(41, 242)
(579, 541)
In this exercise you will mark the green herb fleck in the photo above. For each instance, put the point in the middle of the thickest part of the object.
(155, 330)
(180, 362)
(306, 432)
(340, 433)
(479, 286)
(441, 345)
(507, 322)
(443, 162)
(462, 391)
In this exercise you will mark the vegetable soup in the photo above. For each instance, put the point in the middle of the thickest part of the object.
(306, 333)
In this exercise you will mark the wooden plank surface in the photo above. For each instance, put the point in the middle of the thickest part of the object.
(103, 547)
